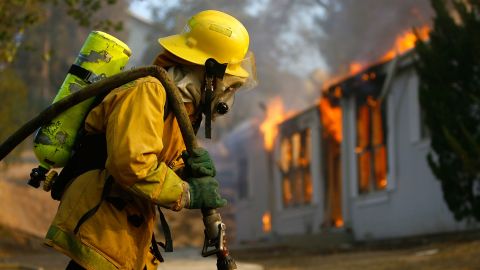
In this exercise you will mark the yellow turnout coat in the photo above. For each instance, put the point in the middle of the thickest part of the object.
(144, 149)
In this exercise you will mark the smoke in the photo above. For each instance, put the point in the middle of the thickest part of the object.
(363, 31)
(288, 35)
(299, 43)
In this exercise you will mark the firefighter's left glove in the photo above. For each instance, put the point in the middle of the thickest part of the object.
(199, 163)
(204, 193)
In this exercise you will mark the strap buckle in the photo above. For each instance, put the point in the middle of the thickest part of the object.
(93, 78)
(85, 75)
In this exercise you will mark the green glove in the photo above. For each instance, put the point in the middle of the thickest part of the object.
(204, 193)
(199, 164)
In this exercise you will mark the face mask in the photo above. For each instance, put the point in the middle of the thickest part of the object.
(188, 80)
(226, 88)
(225, 94)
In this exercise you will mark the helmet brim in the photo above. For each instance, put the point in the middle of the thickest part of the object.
(176, 44)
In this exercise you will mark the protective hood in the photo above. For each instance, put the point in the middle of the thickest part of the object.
(189, 82)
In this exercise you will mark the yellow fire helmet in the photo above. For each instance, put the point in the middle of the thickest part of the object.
(214, 34)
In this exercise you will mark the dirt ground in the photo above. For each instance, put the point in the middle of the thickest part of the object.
(449, 252)
(30, 211)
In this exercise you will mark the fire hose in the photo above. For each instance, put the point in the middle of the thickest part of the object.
(215, 230)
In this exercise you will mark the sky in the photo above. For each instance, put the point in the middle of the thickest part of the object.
(141, 7)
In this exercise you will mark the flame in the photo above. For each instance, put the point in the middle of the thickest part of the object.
(275, 115)
(267, 222)
(339, 223)
(287, 192)
(331, 119)
(406, 41)
(403, 43)
(355, 67)
(383, 183)
(308, 188)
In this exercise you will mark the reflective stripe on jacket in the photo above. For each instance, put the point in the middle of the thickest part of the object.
(144, 148)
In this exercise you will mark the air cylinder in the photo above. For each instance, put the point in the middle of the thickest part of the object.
(101, 56)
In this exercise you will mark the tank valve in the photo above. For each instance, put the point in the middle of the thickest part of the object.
(49, 179)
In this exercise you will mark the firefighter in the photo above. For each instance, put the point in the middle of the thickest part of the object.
(105, 219)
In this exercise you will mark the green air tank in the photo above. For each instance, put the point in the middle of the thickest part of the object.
(101, 56)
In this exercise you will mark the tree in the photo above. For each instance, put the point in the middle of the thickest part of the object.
(449, 70)
(50, 46)
(16, 16)
(39, 60)
(13, 112)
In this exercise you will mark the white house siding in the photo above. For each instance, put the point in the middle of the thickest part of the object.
(245, 145)
(412, 203)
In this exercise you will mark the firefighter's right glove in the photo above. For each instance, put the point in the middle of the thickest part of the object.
(199, 163)
(204, 193)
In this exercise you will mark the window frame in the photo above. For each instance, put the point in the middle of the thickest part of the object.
(350, 162)
(304, 170)
(370, 150)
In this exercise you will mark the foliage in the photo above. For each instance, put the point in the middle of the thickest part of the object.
(13, 96)
(50, 46)
(449, 70)
(47, 36)
(16, 16)
(33, 67)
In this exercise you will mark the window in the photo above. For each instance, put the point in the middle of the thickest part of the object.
(371, 148)
(297, 189)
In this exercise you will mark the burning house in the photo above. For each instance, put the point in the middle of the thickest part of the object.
(355, 162)
(388, 189)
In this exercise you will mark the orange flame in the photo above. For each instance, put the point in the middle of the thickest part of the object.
(339, 223)
(331, 119)
(383, 183)
(275, 115)
(403, 43)
(406, 41)
(355, 67)
(267, 222)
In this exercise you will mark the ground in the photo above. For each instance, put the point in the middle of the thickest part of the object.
(439, 256)
(457, 252)
(26, 213)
